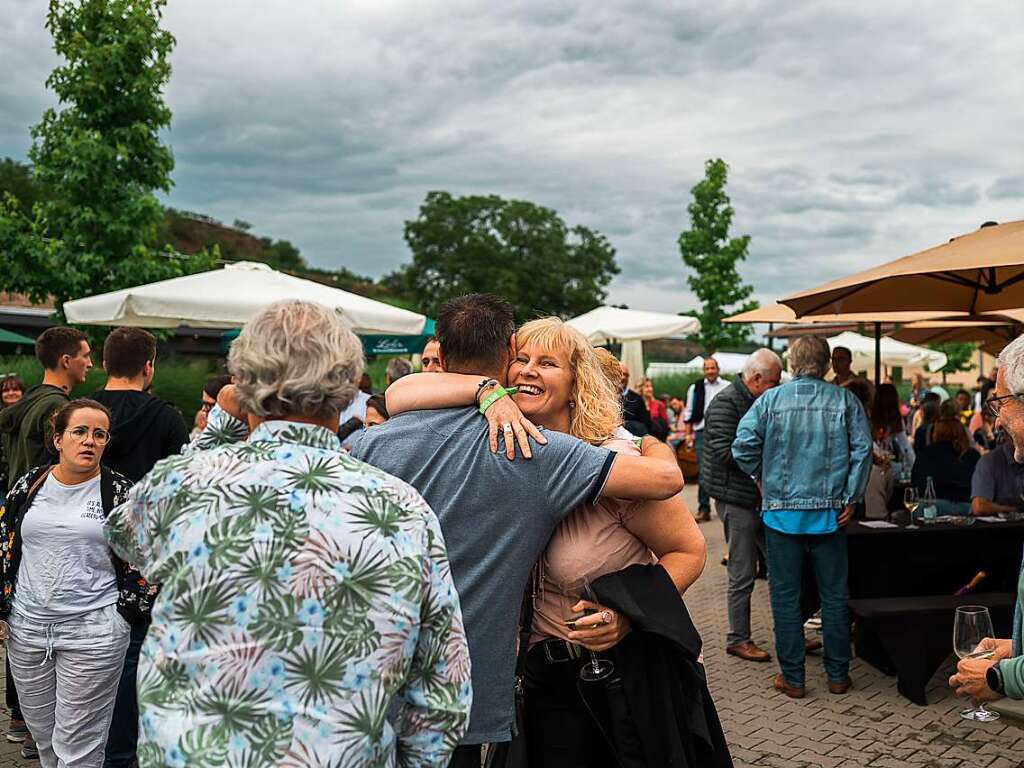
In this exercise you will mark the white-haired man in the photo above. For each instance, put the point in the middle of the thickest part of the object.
(1003, 673)
(304, 592)
(736, 496)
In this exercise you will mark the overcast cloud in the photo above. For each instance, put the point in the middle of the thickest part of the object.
(855, 133)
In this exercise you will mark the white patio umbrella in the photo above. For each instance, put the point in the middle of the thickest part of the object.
(632, 327)
(230, 297)
(893, 352)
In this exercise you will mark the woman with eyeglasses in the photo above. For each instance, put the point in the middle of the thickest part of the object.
(67, 599)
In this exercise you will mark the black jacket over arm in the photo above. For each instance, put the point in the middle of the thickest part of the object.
(659, 710)
(635, 414)
(723, 478)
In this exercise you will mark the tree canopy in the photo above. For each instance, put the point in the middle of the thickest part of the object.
(100, 157)
(517, 249)
(712, 256)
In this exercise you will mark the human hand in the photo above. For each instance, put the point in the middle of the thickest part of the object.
(969, 679)
(1001, 649)
(227, 399)
(504, 415)
(846, 515)
(598, 631)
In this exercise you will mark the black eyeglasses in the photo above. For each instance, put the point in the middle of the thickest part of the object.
(995, 403)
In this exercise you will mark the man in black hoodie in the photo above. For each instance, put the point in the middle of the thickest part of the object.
(144, 429)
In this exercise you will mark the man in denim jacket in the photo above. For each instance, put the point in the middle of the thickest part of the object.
(808, 445)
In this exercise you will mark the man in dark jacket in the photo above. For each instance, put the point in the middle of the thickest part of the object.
(65, 357)
(737, 498)
(635, 416)
(144, 429)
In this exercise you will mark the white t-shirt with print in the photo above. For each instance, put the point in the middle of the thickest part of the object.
(65, 570)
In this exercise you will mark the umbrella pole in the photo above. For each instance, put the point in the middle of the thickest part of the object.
(771, 341)
(878, 354)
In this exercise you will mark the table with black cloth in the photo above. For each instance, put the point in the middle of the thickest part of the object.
(902, 583)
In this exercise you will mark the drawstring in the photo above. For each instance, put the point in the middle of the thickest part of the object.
(49, 644)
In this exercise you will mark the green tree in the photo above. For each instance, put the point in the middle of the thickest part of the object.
(18, 180)
(519, 250)
(959, 356)
(712, 256)
(100, 156)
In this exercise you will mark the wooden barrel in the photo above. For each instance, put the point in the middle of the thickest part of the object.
(687, 458)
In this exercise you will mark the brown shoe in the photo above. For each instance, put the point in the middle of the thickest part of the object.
(790, 690)
(810, 646)
(748, 651)
(840, 688)
(703, 515)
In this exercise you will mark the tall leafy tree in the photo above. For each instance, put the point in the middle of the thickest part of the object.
(959, 356)
(514, 248)
(99, 155)
(712, 256)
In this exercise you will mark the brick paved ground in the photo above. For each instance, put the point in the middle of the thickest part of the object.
(873, 726)
(870, 727)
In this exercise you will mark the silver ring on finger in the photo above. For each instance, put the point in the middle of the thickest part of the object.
(606, 617)
(507, 429)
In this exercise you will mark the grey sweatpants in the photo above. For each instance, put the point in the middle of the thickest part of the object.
(67, 677)
(745, 534)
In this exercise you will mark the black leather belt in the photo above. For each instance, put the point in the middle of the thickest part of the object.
(560, 651)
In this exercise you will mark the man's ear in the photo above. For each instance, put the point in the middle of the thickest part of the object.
(440, 356)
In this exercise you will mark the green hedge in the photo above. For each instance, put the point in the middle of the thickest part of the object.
(676, 384)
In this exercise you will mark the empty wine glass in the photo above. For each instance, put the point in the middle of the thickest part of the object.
(911, 502)
(573, 591)
(971, 625)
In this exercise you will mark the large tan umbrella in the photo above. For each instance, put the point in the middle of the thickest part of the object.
(982, 271)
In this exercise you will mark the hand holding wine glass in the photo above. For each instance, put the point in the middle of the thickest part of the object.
(587, 620)
(972, 626)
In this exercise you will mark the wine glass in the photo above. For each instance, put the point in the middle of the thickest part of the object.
(573, 591)
(971, 625)
(911, 502)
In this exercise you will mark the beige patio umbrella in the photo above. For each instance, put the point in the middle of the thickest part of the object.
(982, 271)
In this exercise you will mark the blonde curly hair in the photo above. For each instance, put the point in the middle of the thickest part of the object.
(598, 410)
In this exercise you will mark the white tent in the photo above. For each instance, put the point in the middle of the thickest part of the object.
(893, 352)
(632, 327)
(230, 297)
(730, 363)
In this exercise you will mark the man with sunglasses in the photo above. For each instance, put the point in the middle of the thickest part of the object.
(65, 356)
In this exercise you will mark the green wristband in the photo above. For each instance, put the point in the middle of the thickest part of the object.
(495, 396)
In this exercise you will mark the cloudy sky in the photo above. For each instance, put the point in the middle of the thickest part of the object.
(855, 133)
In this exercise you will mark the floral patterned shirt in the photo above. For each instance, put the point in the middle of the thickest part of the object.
(307, 615)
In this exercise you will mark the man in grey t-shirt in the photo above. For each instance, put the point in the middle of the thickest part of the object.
(997, 482)
(497, 515)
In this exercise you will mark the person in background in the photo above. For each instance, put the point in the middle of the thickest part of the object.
(924, 418)
(698, 397)
(430, 359)
(998, 482)
(842, 364)
(891, 446)
(986, 437)
(396, 369)
(208, 398)
(950, 462)
(145, 429)
(1002, 674)
(366, 384)
(809, 445)
(376, 411)
(11, 389)
(65, 356)
(68, 600)
(656, 410)
(918, 388)
(636, 418)
(736, 496)
(863, 390)
(307, 615)
(963, 404)
(353, 418)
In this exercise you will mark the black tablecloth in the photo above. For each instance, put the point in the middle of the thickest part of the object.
(933, 559)
(901, 591)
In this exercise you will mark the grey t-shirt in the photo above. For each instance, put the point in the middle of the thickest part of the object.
(998, 478)
(66, 570)
(497, 516)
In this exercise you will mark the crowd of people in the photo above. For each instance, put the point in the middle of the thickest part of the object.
(487, 560)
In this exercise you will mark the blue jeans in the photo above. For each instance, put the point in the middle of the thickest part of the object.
(703, 500)
(786, 554)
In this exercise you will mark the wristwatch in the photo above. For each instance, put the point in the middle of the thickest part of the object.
(994, 679)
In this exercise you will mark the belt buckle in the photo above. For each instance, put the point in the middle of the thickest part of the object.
(571, 651)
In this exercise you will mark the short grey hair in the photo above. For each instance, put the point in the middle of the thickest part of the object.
(397, 368)
(1011, 360)
(760, 361)
(296, 358)
(809, 356)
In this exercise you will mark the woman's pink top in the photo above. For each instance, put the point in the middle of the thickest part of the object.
(593, 540)
(657, 409)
